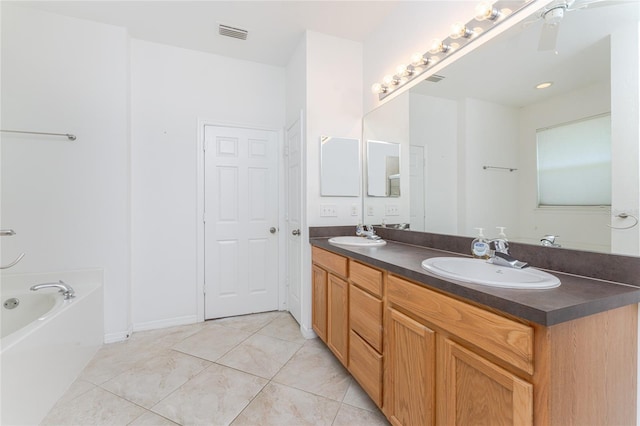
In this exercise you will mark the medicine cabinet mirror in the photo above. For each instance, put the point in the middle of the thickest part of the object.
(470, 138)
(339, 167)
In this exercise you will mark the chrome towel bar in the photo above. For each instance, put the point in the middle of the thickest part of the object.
(68, 135)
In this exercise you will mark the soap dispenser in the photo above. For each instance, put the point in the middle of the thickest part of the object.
(480, 246)
(501, 234)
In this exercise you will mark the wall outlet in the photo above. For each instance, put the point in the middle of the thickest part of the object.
(370, 211)
(354, 210)
(392, 210)
(328, 210)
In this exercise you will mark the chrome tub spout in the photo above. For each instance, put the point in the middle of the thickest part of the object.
(67, 291)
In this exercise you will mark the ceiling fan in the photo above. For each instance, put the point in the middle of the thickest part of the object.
(554, 13)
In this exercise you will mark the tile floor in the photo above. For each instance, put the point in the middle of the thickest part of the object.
(249, 370)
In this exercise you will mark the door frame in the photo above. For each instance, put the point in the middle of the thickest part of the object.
(200, 202)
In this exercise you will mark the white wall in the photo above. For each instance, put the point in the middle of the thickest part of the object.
(171, 89)
(67, 201)
(334, 91)
(569, 223)
(625, 137)
(434, 125)
(333, 108)
(489, 135)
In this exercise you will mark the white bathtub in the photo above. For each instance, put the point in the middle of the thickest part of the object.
(46, 341)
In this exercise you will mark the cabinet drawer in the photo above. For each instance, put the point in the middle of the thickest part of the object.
(365, 364)
(365, 316)
(333, 262)
(509, 340)
(366, 277)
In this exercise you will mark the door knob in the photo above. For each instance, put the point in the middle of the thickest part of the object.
(295, 232)
(272, 230)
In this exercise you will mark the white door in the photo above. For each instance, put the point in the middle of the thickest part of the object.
(294, 218)
(416, 187)
(241, 219)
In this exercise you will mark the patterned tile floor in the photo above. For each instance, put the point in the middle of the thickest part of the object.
(248, 370)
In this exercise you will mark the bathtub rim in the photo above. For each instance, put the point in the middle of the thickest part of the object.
(94, 277)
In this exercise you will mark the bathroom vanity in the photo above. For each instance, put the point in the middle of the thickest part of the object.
(432, 351)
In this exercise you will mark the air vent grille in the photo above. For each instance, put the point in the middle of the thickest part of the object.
(233, 32)
(434, 78)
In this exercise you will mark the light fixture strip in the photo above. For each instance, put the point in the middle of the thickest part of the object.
(441, 49)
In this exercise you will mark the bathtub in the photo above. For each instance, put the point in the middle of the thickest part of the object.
(46, 341)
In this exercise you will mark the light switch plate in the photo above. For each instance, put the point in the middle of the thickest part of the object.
(391, 210)
(328, 210)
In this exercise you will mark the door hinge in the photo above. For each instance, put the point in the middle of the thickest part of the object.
(204, 217)
(285, 151)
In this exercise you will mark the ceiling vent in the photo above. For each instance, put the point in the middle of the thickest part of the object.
(434, 78)
(233, 32)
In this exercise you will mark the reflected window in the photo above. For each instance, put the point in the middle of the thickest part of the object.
(574, 163)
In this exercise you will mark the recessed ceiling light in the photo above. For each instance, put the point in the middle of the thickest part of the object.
(544, 85)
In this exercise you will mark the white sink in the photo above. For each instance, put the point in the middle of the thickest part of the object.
(356, 242)
(479, 271)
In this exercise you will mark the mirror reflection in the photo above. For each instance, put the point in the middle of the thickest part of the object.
(339, 167)
(471, 138)
(383, 169)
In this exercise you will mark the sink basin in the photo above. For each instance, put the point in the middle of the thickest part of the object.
(356, 242)
(479, 271)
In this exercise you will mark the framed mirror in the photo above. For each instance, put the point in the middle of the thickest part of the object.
(339, 167)
(474, 132)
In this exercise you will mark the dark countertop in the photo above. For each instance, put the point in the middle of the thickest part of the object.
(576, 297)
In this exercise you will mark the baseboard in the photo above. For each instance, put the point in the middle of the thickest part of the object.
(307, 333)
(170, 322)
(118, 337)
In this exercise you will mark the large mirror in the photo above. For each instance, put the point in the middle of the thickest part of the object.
(470, 138)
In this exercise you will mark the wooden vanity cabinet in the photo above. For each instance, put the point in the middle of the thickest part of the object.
(428, 358)
(366, 331)
(330, 305)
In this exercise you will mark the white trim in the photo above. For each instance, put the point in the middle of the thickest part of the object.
(170, 322)
(307, 333)
(200, 300)
(119, 336)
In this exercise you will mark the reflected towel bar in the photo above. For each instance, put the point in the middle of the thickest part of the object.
(68, 135)
(511, 169)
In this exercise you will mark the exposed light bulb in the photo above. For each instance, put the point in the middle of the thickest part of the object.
(460, 30)
(438, 46)
(418, 60)
(485, 10)
(377, 88)
(401, 70)
(390, 80)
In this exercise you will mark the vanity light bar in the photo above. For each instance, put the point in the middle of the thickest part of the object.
(488, 15)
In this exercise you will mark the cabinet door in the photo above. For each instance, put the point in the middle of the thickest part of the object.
(474, 391)
(409, 371)
(338, 318)
(319, 302)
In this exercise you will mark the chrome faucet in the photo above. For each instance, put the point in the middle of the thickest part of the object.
(500, 255)
(67, 291)
(549, 241)
(367, 231)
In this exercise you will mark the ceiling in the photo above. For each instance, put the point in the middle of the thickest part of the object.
(275, 27)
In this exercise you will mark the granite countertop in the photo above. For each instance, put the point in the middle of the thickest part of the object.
(575, 298)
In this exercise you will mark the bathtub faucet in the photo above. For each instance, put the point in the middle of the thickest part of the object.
(65, 288)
